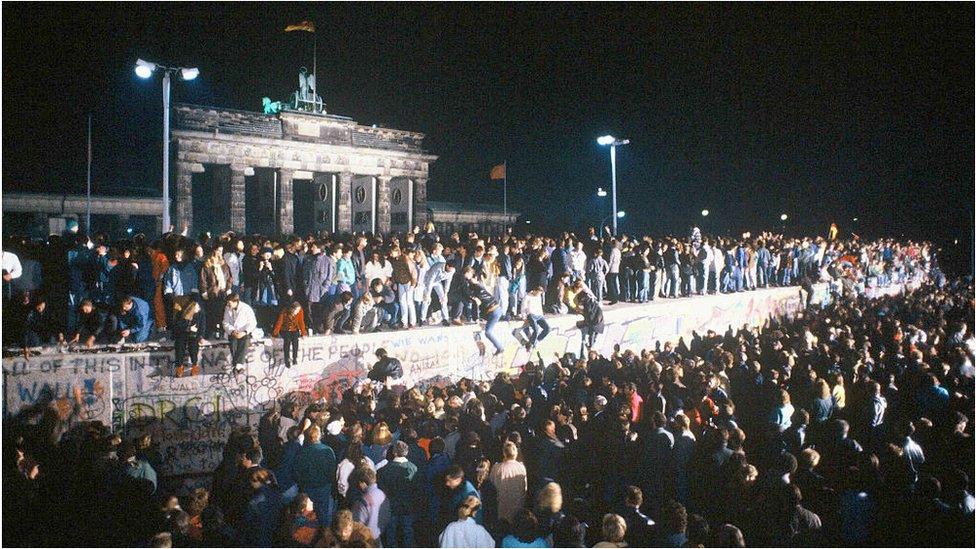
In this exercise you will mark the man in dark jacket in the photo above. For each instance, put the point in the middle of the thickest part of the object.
(289, 283)
(317, 272)
(315, 472)
(337, 314)
(398, 479)
(640, 527)
(549, 455)
(386, 367)
(592, 323)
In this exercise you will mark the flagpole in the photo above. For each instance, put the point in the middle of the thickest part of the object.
(505, 199)
(88, 193)
(315, 71)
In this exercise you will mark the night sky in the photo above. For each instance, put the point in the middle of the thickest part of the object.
(825, 112)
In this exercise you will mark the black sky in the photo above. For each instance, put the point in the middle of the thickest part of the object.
(823, 111)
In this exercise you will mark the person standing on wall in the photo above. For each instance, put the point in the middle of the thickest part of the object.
(290, 326)
(317, 272)
(488, 306)
(188, 326)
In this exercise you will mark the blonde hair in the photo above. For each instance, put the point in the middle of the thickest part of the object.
(313, 434)
(469, 507)
(823, 388)
(213, 259)
(191, 309)
(381, 434)
(550, 498)
(614, 528)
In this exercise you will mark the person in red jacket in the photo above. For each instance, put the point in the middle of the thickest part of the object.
(291, 326)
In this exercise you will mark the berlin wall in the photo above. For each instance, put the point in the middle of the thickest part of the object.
(190, 417)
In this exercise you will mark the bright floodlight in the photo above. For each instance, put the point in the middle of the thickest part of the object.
(704, 213)
(605, 140)
(190, 74)
(621, 213)
(601, 193)
(783, 217)
(144, 69)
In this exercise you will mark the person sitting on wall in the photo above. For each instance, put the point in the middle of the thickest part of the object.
(239, 323)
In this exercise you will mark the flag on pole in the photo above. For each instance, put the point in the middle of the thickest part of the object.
(498, 172)
(306, 26)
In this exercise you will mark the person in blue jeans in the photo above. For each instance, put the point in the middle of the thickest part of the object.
(535, 327)
(490, 310)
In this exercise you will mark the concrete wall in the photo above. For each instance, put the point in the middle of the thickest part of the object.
(190, 417)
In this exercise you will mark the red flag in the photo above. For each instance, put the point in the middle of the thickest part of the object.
(498, 172)
(306, 26)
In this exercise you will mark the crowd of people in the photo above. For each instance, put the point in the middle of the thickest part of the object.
(849, 424)
(77, 292)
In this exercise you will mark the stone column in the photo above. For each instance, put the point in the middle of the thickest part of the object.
(383, 204)
(184, 198)
(420, 202)
(286, 203)
(344, 205)
(237, 202)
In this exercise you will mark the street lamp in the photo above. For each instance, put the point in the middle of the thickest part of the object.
(704, 213)
(613, 143)
(601, 192)
(783, 217)
(145, 69)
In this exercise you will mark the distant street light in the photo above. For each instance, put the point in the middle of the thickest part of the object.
(704, 213)
(145, 69)
(783, 217)
(613, 143)
(621, 214)
(601, 193)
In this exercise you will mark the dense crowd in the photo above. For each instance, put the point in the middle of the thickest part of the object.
(77, 292)
(849, 424)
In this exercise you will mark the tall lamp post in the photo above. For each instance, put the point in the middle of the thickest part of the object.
(145, 69)
(613, 143)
